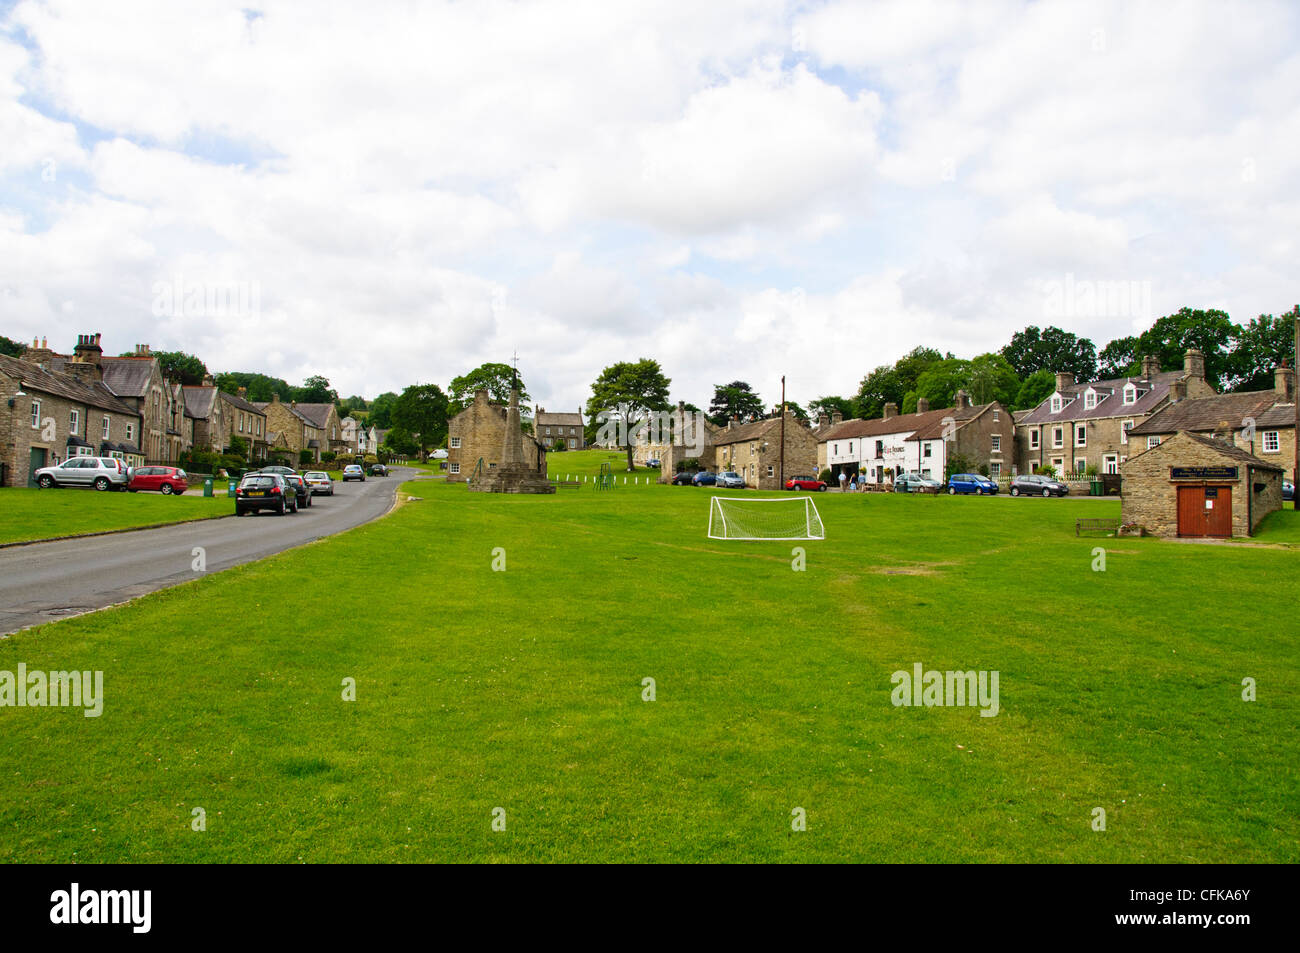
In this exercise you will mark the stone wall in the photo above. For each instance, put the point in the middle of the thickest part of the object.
(480, 429)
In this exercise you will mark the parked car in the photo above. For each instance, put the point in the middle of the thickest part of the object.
(265, 491)
(704, 478)
(276, 468)
(319, 482)
(1288, 491)
(103, 473)
(300, 488)
(914, 482)
(804, 483)
(683, 478)
(728, 480)
(975, 483)
(1034, 484)
(165, 480)
(652, 464)
(378, 469)
(353, 472)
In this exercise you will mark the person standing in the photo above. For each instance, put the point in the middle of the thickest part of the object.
(843, 480)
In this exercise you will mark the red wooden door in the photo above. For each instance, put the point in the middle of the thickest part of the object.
(1191, 511)
(1218, 514)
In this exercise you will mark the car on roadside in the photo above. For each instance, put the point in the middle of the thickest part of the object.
(353, 472)
(916, 483)
(729, 480)
(805, 483)
(1288, 491)
(102, 473)
(683, 478)
(975, 483)
(276, 468)
(300, 488)
(652, 464)
(378, 469)
(265, 491)
(164, 480)
(319, 482)
(1036, 484)
(704, 478)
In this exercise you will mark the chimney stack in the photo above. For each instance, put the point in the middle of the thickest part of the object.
(1064, 381)
(1177, 391)
(836, 417)
(1194, 364)
(963, 399)
(823, 421)
(1284, 383)
(891, 410)
(922, 405)
(242, 392)
(1150, 366)
(87, 350)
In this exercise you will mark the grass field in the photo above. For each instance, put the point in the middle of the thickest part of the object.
(40, 514)
(523, 690)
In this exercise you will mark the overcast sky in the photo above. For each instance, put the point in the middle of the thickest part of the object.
(395, 192)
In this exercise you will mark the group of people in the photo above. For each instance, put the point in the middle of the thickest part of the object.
(857, 483)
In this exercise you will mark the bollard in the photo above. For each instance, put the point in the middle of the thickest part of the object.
(207, 487)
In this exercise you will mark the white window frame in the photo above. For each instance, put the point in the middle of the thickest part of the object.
(130, 433)
(455, 445)
(1057, 403)
(1153, 442)
(1089, 399)
(997, 443)
(771, 470)
(1058, 438)
(1033, 439)
(107, 426)
(1130, 394)
(36, 415)
(74, 421)
(995, 468)
(1276, 441)
(1080, 435)
(1110, 463)
(1124, 428)
(997, 415)
(455, 467)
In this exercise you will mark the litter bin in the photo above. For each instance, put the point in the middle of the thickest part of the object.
(1098, 488)
(207, 487)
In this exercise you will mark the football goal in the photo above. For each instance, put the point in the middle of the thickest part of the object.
(786, 517)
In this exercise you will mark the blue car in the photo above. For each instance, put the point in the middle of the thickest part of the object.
(971, 483)
(705, 478)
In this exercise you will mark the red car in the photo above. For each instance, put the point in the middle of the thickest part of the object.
(165, 480)
(804, 483)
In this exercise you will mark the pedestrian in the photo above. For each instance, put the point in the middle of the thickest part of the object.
(844, 478)
(853, 483)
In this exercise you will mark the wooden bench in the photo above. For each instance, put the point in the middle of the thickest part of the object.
(569, 484)
(1108, 526)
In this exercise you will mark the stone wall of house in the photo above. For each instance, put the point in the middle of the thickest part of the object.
(752, 461)
(1284, 457)
(1102, 437)
(480, 431)
(974, 440)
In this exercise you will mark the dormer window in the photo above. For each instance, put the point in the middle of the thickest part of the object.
(1057, 403)
(1130, 393)
(1089, 399)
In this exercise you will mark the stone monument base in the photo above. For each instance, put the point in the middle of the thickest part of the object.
(509, 478)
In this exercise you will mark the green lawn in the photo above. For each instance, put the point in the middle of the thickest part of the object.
(40, 514)
(1282, 526)
(522, 690)
(580, 463)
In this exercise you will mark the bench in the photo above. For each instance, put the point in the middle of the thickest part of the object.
(568, 484)
(1108, 526)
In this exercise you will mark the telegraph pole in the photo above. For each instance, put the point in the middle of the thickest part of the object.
(781, 468)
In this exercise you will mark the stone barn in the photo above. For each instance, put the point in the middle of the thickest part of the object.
(478, 433)
(1195, 485)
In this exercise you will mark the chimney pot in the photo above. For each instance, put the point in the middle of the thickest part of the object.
(1194, 364)
(891, 410)
(1284, 383)
(922, 405)
(836, 417)
(1064, 381)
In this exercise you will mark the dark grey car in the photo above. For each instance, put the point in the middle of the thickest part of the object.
(1035, 484)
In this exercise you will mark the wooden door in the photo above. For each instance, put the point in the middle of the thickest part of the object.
(1218, 511)
(1191, 511)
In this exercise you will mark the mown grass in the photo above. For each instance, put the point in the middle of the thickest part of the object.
(27, 514)
(523, 689)
(576, 464)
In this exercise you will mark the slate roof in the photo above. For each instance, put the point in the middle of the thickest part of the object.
(315, 414)
(199, 400)
(960, 416)
(127, 376)
(548, 419)
(93, 394)
(1110, 403)
(1209, 413)
(239, 403)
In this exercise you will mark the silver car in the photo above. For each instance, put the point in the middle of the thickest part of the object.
(730, 481)
(102, 473)
(319, 483)
(915, 483)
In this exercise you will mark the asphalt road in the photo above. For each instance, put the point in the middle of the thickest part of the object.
(43, 582)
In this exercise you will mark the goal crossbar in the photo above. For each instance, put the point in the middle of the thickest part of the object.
(781, 517)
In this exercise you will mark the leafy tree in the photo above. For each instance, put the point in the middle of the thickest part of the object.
(179, 366)
(793, 409)
(1051, 349)
(940, 381)
(496, 379)
(993, 378)
(831, 405)
(381, 410)
(1263, 344)
(627, 391)
(399, 442)
(421, 411)
(316, 390)
(239, 447)
(736, 399)
(10, 347)
(260, 387)
(1118, 358)
(887, 384)
(353, 406)
(1037, 387)
(1212, 332)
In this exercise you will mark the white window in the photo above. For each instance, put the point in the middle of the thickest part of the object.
(1057, 403)
(1033, 440)
(1110, 463)
(1272, 441)
(1080, 465)
(492, 466)
(74, 421)
(573, 430)
(997, 443)
(107, 427)
(548, 431)
(995, 469)
(572, 443)
(1081, 436)
(997, 415)
(455, 468)
(455, 443)
(1058, 436)
(130, 433)
(770, 471)
(1153, 442)
(929, 449)
(1130, 394)
(36, 414)
(1124, 428)
(1089, 399)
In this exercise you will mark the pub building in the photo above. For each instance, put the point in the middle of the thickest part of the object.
(1197, 485)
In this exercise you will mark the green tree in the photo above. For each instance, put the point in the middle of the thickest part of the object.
(940, 381)
(381, 410)
(1051, 349)
(179, 366)
(832, 405)
(886, 385)
(315, 390)
(1211, 331)
(260, 387)
(793, 409)
(10, 347)
(736, 399)
(625, 393)
(1037, 387)
(400, 442)
(421, 411)
(496, 379)
(1263, 344)
(1118, 358)
(992, 378)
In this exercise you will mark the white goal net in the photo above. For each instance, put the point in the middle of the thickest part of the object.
(787, 517)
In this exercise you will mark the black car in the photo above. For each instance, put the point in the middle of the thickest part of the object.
(265, 491)
(379, 470)
(683, 478)
(1034, 484)
(300, 489)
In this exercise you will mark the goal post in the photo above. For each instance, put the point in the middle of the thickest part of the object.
(783, 517)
